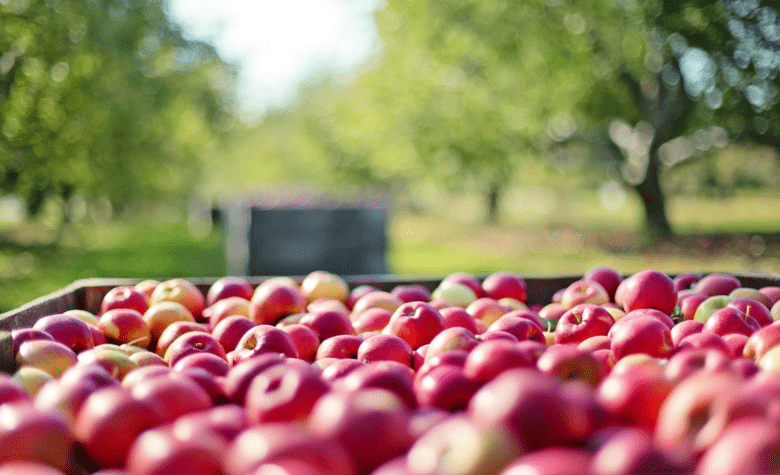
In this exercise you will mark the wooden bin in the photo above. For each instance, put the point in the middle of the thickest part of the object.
(88, 294)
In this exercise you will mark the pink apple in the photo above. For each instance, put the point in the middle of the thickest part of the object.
(284, 393)
(226, 307)
(339, 346)
(685, 328)
(762, 340)
(339, 368)
(689, 303)
(458, 317)
(635, 397)
(214, 364)
(584, 291)
(685, 363)
(736, 343)
(264, 339)
(730, 320)
(608, 277)
(357, 292)
(229, 331)
(685, 281)
(772, 292)
(228, 286)
(567, 362)
(705, 340)
(716, 284)
(68, 330)
(163, 449)
(451, 339)
(385, 348)
(11, 391)
(499, 285)
(120, 325)
(649, 289)
(371, 319)
(411, 293)
(487, 310)
(749, 445)
(520, 325)
(306, 341)
(446, 387)
(552, 461)
(416, 323)
(270, 303)
(173, 395)
(20, 335)
(641, 335)
(174, 331)
(753, 309)
(125, 296)
(465, 279)
(50, 356)
(29, 434)
(752, 294)
(375, 299)
(631, 450)
(241, 374)
(327, 324)
(388, 375)
(582, 322)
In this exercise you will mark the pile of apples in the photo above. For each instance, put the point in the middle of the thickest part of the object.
(636, 375)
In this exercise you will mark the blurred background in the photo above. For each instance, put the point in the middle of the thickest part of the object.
(146, 138)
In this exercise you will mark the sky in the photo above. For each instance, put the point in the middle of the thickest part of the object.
(278, 45)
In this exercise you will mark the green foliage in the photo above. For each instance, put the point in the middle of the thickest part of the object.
(104, 98)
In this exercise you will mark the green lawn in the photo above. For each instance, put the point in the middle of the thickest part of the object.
(572, 237)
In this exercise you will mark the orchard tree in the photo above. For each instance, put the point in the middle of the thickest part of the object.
(106, 99)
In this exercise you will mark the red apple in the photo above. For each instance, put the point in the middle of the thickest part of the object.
(147, 287)
(521, 325)
(112, 358)
(20, 335)
(162, 450)
(375, 299)
(173, 395)
(28, 434)
(465, 279)
(684, 329)
(339, 368)
(385, 348)
(226, 307)
(551, 461)
(752, 308)
(446, 387)
(635, 397)
(748, 446)
(648, 312)
(67, 394)
(751, 294)
(321, 284)
(487, 310)
(388, 375)
(411, 293)
(598, 342)
(339, 346)
(161, 315)
(174, 331)
(357, 292)
(181, 291)
(229, 286)
(264, 339)
(215, 365)
(649, 289)
(451, 339)
(306, 341)
(321, 305)
(567, 362)
(121, 325)
(371, 319)
(685, 363)
(451, 358)
(458, 317)
(68, 330)
(761, 341)
(284, 393)
(501, 335)
(240, 375)
(608, 277)
(11, 391)
(689, 303)
(457, 294)
(225, 421)
(582, 322)
(416, 323)
(730, 320)
(270, 303)
(327, 324)
(499, 285)
(641, 335)
(736, 343)
(143, 373)
(631, 450)
(229, 331)
(716, 284)
(705, 340)
(125, 296)
(685, 281)
(772, 292)
(584, 291)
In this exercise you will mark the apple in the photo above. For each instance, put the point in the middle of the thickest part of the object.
(113, 359)
(582, 322)
(647, 312)
(226, 307)
(446, 387)
(162, 450)
(514, 304)
(293, 319)
(632, 450)
(210, 362)
(264, 339)
(499, 335)
(749, 445)
(32, 379)
(456, 294)
(705, 340)
(161, 315)
(752, 308)
(552, 461)
(761, 341)
(327, 324)
(20, 335)
(635, 397)
(411, 293)
(323, 304)
(339, 346)
(321, 284)
(371, 319)
(416, 323)
(458, 317)
(339, 368)
(375, 299)
(450, 358)
(597, 342)
(689, 304)
(775, 311)
(641, 335)
(772, 292)
(173, 395)
(388, 375)
(584, 291)
(357, 292)
(87, 317)
(229, 286)
(372, 424)
(50, 356)
(521, 325)
(143, 373)
(716, 284)
(66, 394)
(174, 331)
(752, 294)
(567, 362)
(306, 341)
(28, 434)
(685, 363)
(461, 442)
(147, 287)
(225, 421)
(736, 343)
(124, 325)
(125, 296)
(649, 289)
(181, 291)
(449, 339)
(11, 391)
(608, 277)
(240, 375)
(229, 331)
(685, 281)
(385, 348)
(487, 310)
(68, 330)
(710, 305)
(110, 420)
(499, 285)
(683, 329)
(271, 302)
(730, 320)
(551, 313)
(770, 360)
(284, 393)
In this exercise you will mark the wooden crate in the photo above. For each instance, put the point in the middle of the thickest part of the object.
(88, 294)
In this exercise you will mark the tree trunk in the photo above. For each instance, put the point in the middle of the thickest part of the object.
(493, 197)
(653, 200)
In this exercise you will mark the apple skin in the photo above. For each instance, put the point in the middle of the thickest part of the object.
(451, 339)
(552, 461)
(323, 304)
(372, 424)
(284, 393)
(320, 284)
(597, 342)
(635, 397)
(754, 309)
(375, 299)
(306, 341)
(567, 362)
(710, 305)
(761, 341)
(465, 279)
(501, 335)
(229, 331)
(272, 302)
(50, 356)
(109, 421)
(685, 281)
(631, 450)
(450, 358)
(328, 323)
(113, 359)
(264, 339)
(608, 277)
(121, 325)
(584, 291)
(32, 379)
(648, 312)
(684, 329)
(385, 348)
(229, 286)
(716, 284)
(641, 335)
(68, 330)
(191, 343)
(730, 320)
(751, 294)
(66, 395)
(371, 319)
(487, 310)
(173, 395)
(20, 335)
(499, 285)
(339, 346)
(181, 291)
(210, 362)
(125, 296)
(685, 363)
(11, 391)
(747, 446)
(224, 308)
(736, 343)
(582, 322)
(29, 434)
(162, 315)
(417, 323)
(649, 289)
(454, 293)
(357, 292)
(225, 421)
(340, 368)
(458, 317)
(446, 387)
(386, 375)
(772, 292)
(162, 450)
(240, 376)
(689, 304)
(174, 331)
(411, 293)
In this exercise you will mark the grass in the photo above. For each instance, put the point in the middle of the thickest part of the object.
(567, 235)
